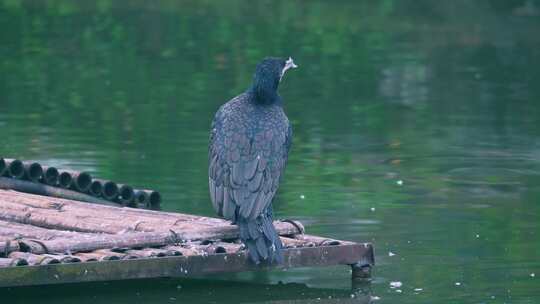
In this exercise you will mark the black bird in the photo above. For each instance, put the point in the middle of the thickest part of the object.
(249, 145)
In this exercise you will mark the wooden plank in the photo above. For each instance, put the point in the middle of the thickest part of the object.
(44, 202)
(90, 242)
(178, 266)
(8, 262)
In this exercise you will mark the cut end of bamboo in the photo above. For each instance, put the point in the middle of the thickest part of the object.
(82, 181)
(96, 187)
(126, 194)
(15, 168)
(20, 262)
(110, 190)
(141, 197)
(33, 171)
(154, 200)
(65, 180)
(220, 249)
(50, 176)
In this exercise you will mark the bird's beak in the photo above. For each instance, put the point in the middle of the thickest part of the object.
(289, 64)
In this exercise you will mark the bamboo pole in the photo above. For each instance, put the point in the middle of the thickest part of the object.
(34, 259)
(28, 187)
(220, 247)
(66, 215)
(126, 195)
(64, 258)
(99, 256)
(150, 198)
(8, 246)
(93, 222)
(65, 180)
(104, 210)
(15, 201)
(119, 252)
(296, 243)
(154, 200)
(3, 167)
(32, 171)
(58, 221)
(109, 190)
(149, 252)
(96, 188)
(141, 197)
(184, 250)
(81, 180)
(8, 262)
(50, 176)
(320, 241)
(128, 240)
(101, 224)
(138, 239)
(17, 230)
(172, 252)
(15, 168)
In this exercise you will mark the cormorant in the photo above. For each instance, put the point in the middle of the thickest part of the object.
(249, 145)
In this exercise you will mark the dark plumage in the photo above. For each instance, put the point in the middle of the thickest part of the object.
(249, 145)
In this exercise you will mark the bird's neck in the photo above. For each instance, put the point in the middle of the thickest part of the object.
(264, 93)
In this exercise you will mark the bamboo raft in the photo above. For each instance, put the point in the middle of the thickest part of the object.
(48, 240)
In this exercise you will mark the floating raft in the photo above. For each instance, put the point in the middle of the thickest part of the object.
(46, 240)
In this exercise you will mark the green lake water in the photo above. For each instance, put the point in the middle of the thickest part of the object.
(416, 127)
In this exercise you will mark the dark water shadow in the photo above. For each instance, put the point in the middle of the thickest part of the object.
(185, 291)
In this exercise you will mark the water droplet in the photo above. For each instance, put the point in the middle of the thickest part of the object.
(457, 283)
(372, 209)
(532, 275)
(302, 196)
(399, 182)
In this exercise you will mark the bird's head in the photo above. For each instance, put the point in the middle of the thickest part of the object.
(268, 75)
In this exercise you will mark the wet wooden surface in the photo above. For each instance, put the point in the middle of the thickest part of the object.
(46, 240)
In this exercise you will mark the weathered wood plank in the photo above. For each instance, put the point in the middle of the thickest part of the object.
(9, 262)
(180, 266)
(122, 218)
(17, 230)
(66, 205)
(8, 246)
(91, 242)
(54, 213)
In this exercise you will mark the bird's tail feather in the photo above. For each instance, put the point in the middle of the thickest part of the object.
(261, 239)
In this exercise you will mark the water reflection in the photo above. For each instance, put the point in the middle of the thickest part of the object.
(188, 291)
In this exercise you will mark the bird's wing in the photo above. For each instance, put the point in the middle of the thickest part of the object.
(245, 168)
